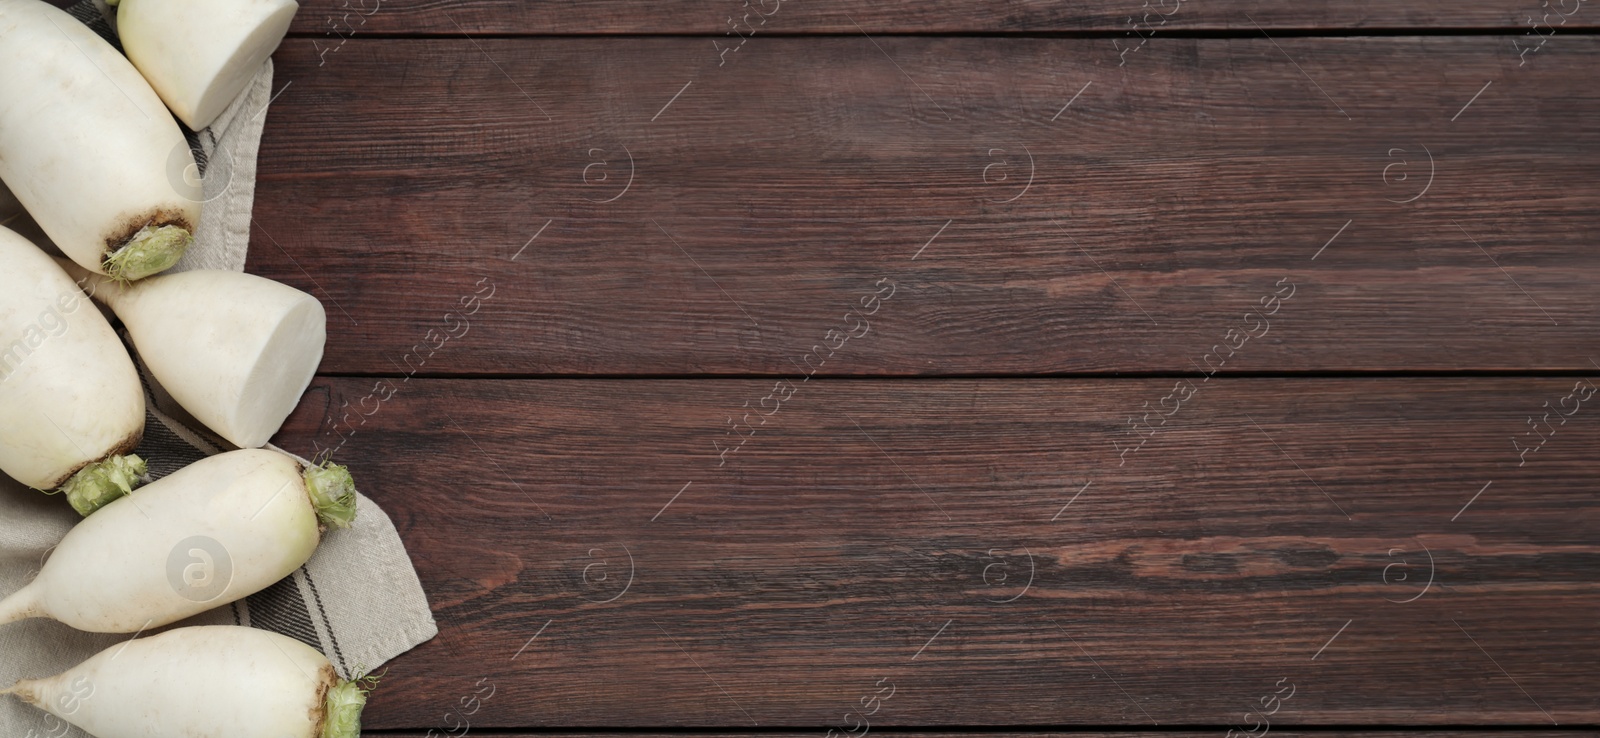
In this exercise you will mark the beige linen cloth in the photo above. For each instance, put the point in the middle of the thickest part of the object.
(358, 600)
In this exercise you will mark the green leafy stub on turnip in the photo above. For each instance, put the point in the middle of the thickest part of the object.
(343, 706)
(150, 251)
(103, 481)
(333, 494)
(345, 702)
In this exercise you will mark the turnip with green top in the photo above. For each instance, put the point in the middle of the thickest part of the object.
(88, 148)
(211, 533)
(220, 681)
(71, 405)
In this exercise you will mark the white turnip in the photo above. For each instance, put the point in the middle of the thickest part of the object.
(71, 404)
(199, 54)
(216, 531)
(220, 681)
(88, 147)
(235, 350)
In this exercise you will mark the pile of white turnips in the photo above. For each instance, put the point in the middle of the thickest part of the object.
(91, 152)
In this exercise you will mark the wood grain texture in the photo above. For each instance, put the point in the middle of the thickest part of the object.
(1087, 733)
(766, 198)
(1076, 734)
(590, 560)
(334, 19)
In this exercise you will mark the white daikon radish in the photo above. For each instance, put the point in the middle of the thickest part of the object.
(235, 350)
(200, 54)
(219, 681)
(211, 533)
(88, 148)
(70, 400)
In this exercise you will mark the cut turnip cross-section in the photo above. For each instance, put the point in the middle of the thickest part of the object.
(235, 350)
(199, 54)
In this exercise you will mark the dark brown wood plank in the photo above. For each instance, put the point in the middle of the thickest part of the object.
(1089, 734)
(768, 198)
(336, 19)
(588, 554)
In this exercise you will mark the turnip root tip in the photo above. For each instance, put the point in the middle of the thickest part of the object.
(21, 691)
(101, 482)
(333, 494)
(15, 609)
(150, 251)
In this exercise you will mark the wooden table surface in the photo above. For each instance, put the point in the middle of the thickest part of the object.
(582, 259)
